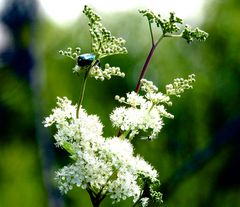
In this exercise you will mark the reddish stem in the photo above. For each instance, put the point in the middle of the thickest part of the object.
(145, 67)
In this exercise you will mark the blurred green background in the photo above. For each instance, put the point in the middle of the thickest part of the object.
(197, 154)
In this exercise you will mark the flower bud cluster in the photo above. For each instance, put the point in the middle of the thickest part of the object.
(103, 42)
(179, 85)
(106, 166)
(197, 34)
(70, 53)
(144, 113)
(107, 73)
(169, 27)
(92, 16)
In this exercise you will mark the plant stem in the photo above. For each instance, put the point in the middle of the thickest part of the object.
(94, 198)
(150, 28)
(144, 69)
(80, 100)
(96, 203)
(172, 35)
(124, 134)
(149, 57)
(82, 92)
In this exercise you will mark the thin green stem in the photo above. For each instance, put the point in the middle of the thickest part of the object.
(151, 107)
(159, 40)
(124, 134)
(72, 58)
(172, 35)
(80, 100)
(151, 32)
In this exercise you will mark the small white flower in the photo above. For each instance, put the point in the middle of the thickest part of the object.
(144, 202)
(134, 99)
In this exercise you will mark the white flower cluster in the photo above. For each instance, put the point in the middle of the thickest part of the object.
(108, 71)
(107, 166)
(144, 112)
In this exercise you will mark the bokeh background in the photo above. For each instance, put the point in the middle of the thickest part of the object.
(197, 154)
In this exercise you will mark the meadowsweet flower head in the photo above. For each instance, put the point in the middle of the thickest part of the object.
(72, 129)
(110, 167)
(133, 120)
(144, 112)
(107, 165)
(64, 110)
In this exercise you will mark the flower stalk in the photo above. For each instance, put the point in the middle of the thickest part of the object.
(148, 59)
(96, 201)
(82, 91)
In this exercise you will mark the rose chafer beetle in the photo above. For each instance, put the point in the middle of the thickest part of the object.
(85, 60)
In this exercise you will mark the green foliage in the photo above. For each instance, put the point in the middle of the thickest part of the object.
(21, 181)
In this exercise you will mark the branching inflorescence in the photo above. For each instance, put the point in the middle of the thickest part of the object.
(108, 166)
(168, 28)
